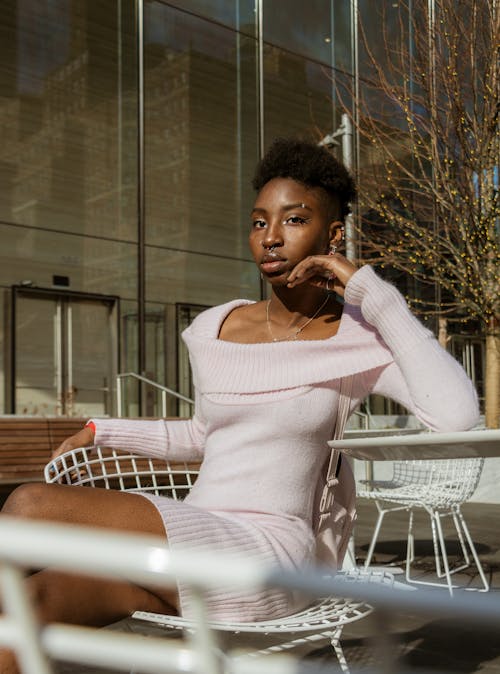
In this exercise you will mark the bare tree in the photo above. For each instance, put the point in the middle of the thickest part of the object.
(427, 113)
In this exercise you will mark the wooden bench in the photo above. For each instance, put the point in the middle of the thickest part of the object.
(26, 444)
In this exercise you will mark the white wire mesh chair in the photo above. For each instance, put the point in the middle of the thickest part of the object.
(439, 487)
(110, 469)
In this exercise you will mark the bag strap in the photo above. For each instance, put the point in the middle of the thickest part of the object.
(345, 394)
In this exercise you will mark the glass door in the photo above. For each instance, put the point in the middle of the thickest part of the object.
(65, 353)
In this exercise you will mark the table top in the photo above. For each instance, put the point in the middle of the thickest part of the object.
(420, 445)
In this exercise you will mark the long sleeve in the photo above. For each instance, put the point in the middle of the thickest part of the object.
(424, 378)
(169, 439)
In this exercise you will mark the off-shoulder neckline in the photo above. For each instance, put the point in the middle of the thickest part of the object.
(229, 307)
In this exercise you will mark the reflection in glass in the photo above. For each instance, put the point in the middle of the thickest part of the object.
(318, 30)
(175, 276)
(298, 96)
(201, 133)
(237, 14)
(91, 265)
(67, 112)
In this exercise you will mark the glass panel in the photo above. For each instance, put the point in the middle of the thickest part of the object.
(92, 355)
(91, 265)
(201, 133)
(238, 14)
(298, 96)
(129, 355)
(38, 361)
(381, 26)
(156, 357)
(317, 29)
(383, 30)
(342, 35)
(67, 112)
(198, 279)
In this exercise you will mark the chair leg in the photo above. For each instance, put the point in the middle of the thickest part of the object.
(436, 516)
(339, 651)
(472, 548)
(410, 547)
(381, 513)
(467, 542)
(456, 515)
(439, 550)
(436, 544)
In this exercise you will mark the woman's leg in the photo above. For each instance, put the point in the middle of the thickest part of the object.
(76, 599)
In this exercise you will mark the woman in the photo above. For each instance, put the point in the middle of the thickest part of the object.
(267, 378)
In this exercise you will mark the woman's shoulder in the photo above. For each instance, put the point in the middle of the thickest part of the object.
(209, 322)
(244, 324)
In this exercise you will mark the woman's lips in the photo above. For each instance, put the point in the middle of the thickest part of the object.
(271, 266)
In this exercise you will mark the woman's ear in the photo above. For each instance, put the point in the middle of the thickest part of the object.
(336, 233)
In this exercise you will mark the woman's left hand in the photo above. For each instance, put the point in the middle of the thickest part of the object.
(318, 270)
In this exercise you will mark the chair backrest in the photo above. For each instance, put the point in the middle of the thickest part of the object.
(113, 469)
(457, 478)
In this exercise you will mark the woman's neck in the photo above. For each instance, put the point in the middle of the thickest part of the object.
(291, 305)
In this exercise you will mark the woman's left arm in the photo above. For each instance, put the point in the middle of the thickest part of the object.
(424, 377)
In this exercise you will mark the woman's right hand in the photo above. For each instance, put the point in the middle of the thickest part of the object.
(84, 438)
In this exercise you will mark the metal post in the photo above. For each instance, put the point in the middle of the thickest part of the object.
(260, 74)
(119, 397)
(141, 269)
(260, 99)
(347, 157)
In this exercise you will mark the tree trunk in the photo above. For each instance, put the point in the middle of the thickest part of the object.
(492, 378)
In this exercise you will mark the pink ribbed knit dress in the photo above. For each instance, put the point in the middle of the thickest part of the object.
(264, 413)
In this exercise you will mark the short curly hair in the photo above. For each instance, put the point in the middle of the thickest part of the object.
(309, 164)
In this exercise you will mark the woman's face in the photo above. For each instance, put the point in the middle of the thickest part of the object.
(289, 222)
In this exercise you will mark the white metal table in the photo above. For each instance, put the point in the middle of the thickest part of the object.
(401, 445)
(407, 447)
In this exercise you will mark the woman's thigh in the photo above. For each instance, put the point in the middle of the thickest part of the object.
(122, 511)
(102, 508)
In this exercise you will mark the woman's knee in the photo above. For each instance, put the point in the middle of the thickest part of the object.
(28, 500)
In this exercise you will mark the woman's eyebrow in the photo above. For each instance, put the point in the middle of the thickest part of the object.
(301, 204)
(286, 207)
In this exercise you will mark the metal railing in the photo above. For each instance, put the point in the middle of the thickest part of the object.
(147, 561)
(164, 391)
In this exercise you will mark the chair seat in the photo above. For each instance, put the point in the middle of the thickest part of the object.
(326, 614)
(444, 497)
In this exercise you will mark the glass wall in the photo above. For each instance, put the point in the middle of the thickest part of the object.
(216, 87)
(68, 206)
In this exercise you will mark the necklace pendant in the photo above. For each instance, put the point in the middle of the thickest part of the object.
(294, 335)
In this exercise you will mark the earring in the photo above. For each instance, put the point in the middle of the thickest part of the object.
(333, 249)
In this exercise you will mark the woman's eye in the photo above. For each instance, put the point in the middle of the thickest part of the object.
(258, 224)
(295, 220)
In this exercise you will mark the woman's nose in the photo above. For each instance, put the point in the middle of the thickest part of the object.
(273, 237)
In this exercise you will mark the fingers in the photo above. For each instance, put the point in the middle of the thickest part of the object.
(309, 269)
(84, 438)
(319, 270)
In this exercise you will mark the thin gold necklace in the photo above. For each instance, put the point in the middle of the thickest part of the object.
(298, 330)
